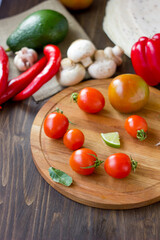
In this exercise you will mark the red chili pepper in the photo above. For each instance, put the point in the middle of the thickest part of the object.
(145, 56)
(53, 55)
(19, 83)
(3, 70)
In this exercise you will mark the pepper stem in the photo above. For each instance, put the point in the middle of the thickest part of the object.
(134, 164)
(8, 50)
(74, 97)
(141, 135)
(96, 163)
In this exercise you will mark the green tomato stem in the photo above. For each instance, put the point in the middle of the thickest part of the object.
(58, 110)
(96, 164)
(141, 135)
(74, 97)
(134, 164)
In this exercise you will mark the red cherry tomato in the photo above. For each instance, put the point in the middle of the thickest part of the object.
(119, 165)
(55, 125)
(128, 93)
(89, 100)
(73, 139)
(137, 127)
(82, 162)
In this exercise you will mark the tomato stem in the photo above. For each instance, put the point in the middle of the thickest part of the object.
(74, 97)
(96, 164)
(141, 135)
(58, 110)
(134, 164)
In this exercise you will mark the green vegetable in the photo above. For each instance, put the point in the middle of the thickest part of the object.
(60, 176)
(39, 29)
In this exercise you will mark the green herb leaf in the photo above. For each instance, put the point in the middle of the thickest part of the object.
(60, 176)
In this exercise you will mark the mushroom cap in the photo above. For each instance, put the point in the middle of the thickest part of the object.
(80, 49)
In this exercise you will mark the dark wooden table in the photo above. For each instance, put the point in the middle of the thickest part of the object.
(29, 207)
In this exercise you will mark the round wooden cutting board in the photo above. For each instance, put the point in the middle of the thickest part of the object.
(100, 190)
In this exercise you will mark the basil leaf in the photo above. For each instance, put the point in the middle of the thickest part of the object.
(60, 176)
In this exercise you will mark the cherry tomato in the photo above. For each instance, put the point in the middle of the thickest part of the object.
(137, 127)
(77, 4)
(89, 100)
(82, 160)
(119, 165)
(128, 93)
(73, 139)
(55, 125)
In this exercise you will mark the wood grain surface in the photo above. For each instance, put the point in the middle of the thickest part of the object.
(99, 189)
(30, 209)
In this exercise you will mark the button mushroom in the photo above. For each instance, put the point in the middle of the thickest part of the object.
(115, 54)
(70, 73)
(82, 51)
(102, 67)
(25, 58)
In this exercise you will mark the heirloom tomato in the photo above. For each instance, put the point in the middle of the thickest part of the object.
(128, 93)
(73, 139)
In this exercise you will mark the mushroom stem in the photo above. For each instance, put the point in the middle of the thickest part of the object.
(115, 54)
(86, 61)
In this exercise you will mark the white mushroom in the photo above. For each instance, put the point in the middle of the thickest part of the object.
(70, 73)
(82, 51)
(25, 58)
(102, 67)
(115, 54)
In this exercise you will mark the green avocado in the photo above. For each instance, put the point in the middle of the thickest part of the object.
(39, 29)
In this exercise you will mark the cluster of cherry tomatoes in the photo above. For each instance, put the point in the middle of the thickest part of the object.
(84, 160)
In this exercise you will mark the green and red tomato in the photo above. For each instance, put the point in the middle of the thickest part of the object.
(128, 93)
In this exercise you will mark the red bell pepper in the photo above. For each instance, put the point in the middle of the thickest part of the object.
(145, 56)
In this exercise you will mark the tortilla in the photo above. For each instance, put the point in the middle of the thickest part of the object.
(126, 21)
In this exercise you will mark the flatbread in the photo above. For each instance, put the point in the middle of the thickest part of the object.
(126, 21)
